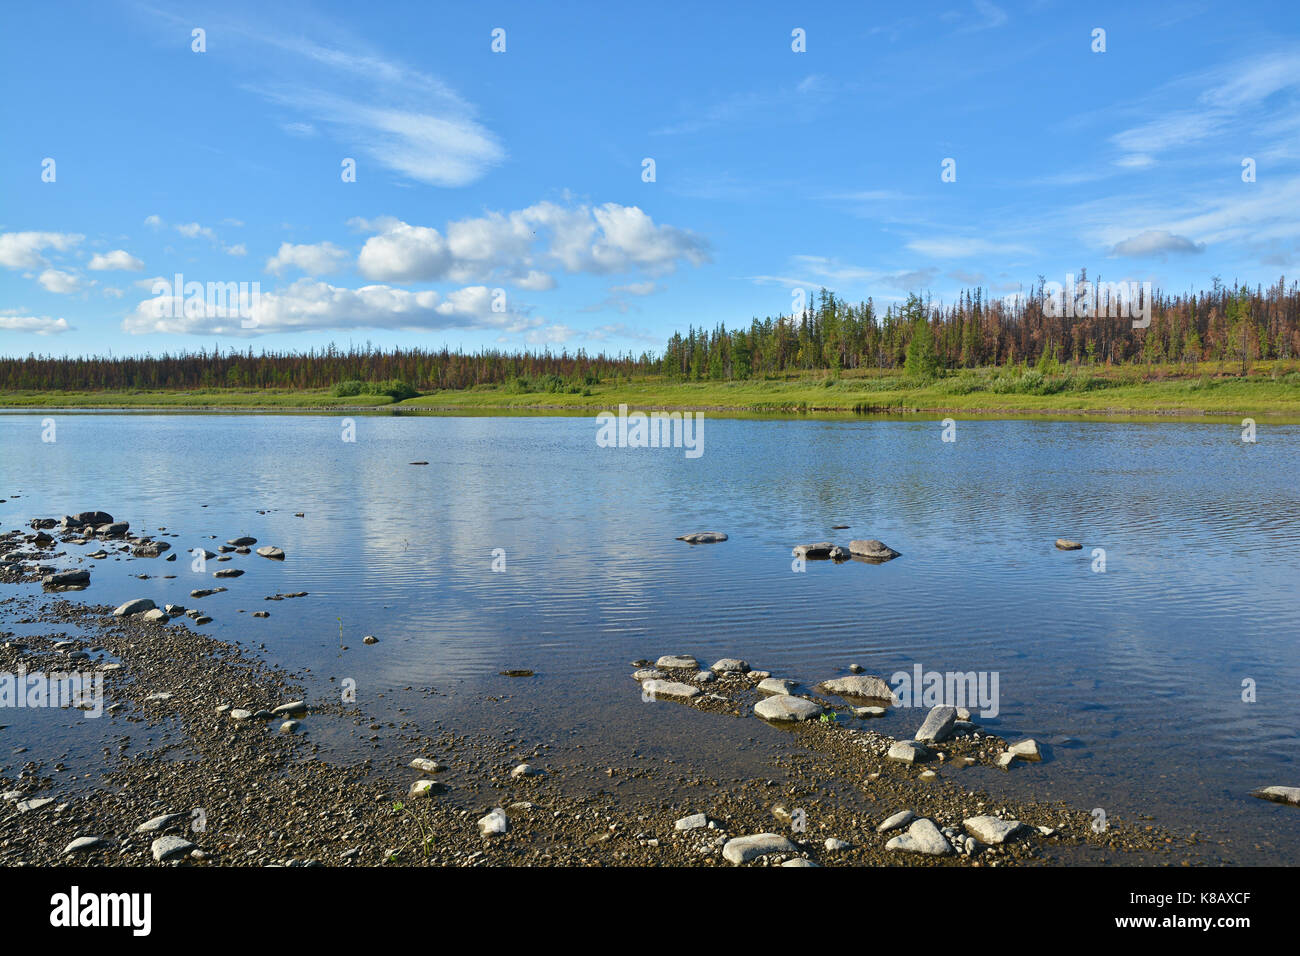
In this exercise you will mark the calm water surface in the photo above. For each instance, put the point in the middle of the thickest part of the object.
(1134, 676)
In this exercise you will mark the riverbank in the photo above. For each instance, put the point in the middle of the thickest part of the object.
(210, 757)
(1212, 390)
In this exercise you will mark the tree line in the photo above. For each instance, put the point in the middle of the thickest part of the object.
(1223, 323)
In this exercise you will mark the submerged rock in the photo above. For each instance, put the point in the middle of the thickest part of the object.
(703, 537)
(821, 549)
(669, 689)
(1065, 544)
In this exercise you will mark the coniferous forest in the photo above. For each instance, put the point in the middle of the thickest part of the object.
(1224, 323)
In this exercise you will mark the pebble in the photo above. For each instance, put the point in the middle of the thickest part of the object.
(899, 819)
(81, 844)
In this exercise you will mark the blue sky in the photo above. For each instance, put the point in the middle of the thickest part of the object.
(522, 171)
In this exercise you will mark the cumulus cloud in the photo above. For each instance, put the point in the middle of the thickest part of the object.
(192, 230)
(309, 305)
(38, 324)
(55, 280)
(319, 259)
(518, 247)
(23, 250)
(119, 260)
(1156, 242)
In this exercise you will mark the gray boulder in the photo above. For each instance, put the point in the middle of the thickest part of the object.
(1289, 795)
(678, 662)
(872, 550)
(743, 849)
(864, 686)
(138, 606)
(657, 689)
(783, 708)
(938, 725)
(993, 830)
(921, 837)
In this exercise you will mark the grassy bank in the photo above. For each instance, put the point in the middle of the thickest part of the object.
(1271, 390)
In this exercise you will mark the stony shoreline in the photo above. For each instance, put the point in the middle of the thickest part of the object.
(216, 766)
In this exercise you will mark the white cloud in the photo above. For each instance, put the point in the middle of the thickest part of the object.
(55, 280)
(119, 260)
(517, 247)
(960, 247)
(40, 325)
(401, 119)
(309, 305)
(22, 250)
(192, 230)
(637, 288)
(1155, 242)
(319, 259)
